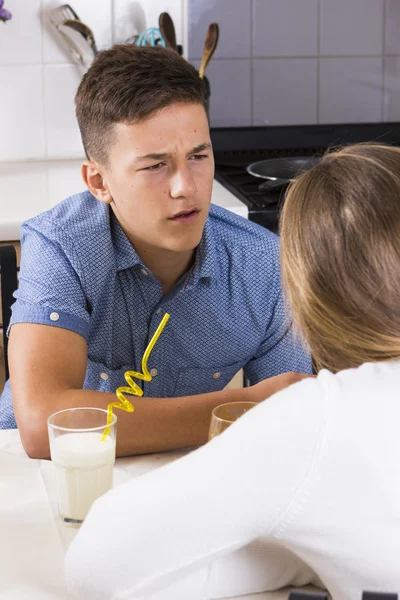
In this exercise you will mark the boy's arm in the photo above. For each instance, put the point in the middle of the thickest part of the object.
(47, 372)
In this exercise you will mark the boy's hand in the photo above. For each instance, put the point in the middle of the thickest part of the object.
(264, 389)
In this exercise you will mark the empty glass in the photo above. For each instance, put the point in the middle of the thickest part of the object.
(225, 414)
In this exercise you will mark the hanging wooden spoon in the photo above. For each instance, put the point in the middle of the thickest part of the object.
(210, 45)
(167, 29)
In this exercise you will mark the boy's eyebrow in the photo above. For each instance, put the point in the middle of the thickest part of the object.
(200, 148)
(164, 155)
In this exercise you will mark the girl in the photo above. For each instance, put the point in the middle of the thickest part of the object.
(305, 487)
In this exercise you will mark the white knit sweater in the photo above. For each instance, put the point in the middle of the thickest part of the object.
(304, 488)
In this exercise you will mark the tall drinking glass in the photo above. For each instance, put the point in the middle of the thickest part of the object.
(83, 461)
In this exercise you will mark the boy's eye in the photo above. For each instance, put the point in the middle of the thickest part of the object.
(154, 167)
(157, 167)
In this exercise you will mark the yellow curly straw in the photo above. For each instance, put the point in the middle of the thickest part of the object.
(134, 389)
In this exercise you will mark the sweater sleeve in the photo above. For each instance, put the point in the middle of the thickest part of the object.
(168, 527)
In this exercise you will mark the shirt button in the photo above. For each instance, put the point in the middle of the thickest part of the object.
(104, 376)
(144, 272)
(216, 375)
(158, 311)
(54, 316)
(153, 372)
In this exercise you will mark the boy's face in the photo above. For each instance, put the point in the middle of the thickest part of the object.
(160, 176)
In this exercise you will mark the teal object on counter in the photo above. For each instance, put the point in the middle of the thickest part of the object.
(151, 37)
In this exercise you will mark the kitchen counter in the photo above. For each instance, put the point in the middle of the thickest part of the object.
(28, 188)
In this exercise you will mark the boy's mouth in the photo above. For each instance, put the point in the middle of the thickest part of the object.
(185, 216)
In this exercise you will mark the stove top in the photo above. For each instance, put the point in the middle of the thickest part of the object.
(237, 147)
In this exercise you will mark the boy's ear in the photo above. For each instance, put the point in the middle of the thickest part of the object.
(92, 174)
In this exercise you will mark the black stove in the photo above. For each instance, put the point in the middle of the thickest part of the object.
(237, 147)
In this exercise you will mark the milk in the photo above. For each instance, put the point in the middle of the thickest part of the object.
(84, 471)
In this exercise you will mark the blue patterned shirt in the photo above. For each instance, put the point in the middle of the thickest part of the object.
(80, 272)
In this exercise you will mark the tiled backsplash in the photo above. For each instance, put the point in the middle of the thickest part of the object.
(277, 62)
(300, 61)
(38, 80)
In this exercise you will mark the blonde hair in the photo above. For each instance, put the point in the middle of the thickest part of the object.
(340, 256)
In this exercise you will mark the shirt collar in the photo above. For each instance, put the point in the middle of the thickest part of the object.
(126, 255)
(205, 265)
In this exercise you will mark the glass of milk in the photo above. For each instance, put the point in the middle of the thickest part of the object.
(83, 462)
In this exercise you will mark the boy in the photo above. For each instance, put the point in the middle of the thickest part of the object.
(100, 270)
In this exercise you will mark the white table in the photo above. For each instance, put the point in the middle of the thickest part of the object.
(33, 540)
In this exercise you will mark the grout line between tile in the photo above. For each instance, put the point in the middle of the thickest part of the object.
(43, 83)
(384, 8)
(193, 58)
(41, 31)
(44, 161)
(318, 57)
(44, 111)
(112, 5)
(185, 28)
(47, 175)
(292, 57)
(251, 62)
(16, 65)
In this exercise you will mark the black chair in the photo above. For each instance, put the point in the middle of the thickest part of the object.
(305, 595)
(9, 283)
(379, 596)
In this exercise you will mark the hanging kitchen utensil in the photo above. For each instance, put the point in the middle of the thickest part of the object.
(210, 45)
(84, 30)
(79, 44)
(61, 14)
(56, 18)
(281, 171)
(167, 29)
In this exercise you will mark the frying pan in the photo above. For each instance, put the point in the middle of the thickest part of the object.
(281, 171)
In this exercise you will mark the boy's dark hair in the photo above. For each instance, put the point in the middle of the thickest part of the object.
(127, 84)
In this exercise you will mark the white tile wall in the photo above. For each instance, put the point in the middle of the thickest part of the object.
(63, 179)
(284, 95)
(392, 26)
(21, 107)
(391, 97)
(21, 38)
(349, 27)
(23, 188)
(273, 28)
(311, 61)
(233, 107)
(28, 188)
(61, 131)
(235, 32)
(39, 80)
(278, 61)
(350, 89)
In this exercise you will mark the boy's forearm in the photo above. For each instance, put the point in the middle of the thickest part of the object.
(156, 425)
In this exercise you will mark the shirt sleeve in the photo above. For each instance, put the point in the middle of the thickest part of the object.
(154, 536)
(50, 288)
(281, 349)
